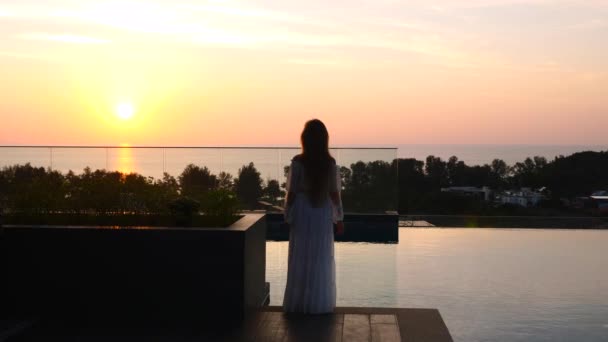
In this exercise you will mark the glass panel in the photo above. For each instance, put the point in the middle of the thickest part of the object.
(76, 159)
(36, 156)
(369, 174)
(176, 159)
(369, 179)
(266, 161)
(146, 161)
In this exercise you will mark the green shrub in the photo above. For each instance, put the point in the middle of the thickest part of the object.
(221, 203)
(183, 210)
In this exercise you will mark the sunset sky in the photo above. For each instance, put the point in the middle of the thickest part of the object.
(250, 73)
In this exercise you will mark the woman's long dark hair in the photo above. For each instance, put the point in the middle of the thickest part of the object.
(316, 159)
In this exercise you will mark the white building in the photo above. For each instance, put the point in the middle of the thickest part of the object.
(526, 197)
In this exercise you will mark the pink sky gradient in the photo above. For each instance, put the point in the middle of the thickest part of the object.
(250, 73)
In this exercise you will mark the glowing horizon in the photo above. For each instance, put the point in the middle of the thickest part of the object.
(235, 73)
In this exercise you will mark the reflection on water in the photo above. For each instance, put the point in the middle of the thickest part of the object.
(124, 161)
(378, 284)
(488, 284)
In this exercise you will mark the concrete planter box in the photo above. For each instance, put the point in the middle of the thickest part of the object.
(163, 274)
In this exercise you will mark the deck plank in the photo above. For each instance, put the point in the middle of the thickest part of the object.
(272, 328)
(313, 328)
(356, 328)
(382, 332)
(250, 327)
(386, 319)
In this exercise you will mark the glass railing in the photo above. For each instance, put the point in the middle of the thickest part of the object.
(369, 174)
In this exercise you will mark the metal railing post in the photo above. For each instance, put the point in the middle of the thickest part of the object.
(278, 164)
(221, 160)
(164, 162)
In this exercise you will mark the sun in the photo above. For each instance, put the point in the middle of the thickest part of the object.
(125, 110)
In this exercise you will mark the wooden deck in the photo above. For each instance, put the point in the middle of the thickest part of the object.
(269, 325)
(349, 324)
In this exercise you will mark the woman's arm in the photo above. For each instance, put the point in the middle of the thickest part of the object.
(290, 186)
(336, 199)
(291, 197)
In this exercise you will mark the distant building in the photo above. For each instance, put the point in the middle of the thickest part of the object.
(525, 197)
(600, 201)
(484, 193)
(597, 203)
(580, 202)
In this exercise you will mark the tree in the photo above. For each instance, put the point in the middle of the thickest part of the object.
(285, 174)
(456, 172)
(166, 191)
(248, 186)
(98, 190)
(32, 189)
(527, 174)
(222, 203)
(345, 176)
(499, 173)
(371, 187)
(4, 184)
(478, 175)
(225, 181)
(138, 194)
(195, 181)
(436, 172)
(273, 192)
(577, 175)
(411, 184)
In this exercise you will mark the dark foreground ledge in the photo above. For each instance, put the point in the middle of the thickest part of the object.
(270, 324)
(148, 274)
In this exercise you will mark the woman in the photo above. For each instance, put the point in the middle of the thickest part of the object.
(313, 205)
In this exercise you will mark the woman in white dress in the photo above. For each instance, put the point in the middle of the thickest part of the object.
(313, 205)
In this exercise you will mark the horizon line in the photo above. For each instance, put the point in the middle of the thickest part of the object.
(191, 147)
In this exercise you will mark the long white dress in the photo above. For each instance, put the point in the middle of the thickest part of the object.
(311, 275)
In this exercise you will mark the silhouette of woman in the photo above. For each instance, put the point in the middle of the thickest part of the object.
(313, 205)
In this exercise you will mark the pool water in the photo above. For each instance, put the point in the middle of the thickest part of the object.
(488, 284)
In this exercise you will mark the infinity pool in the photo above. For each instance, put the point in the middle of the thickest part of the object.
(488, 284)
